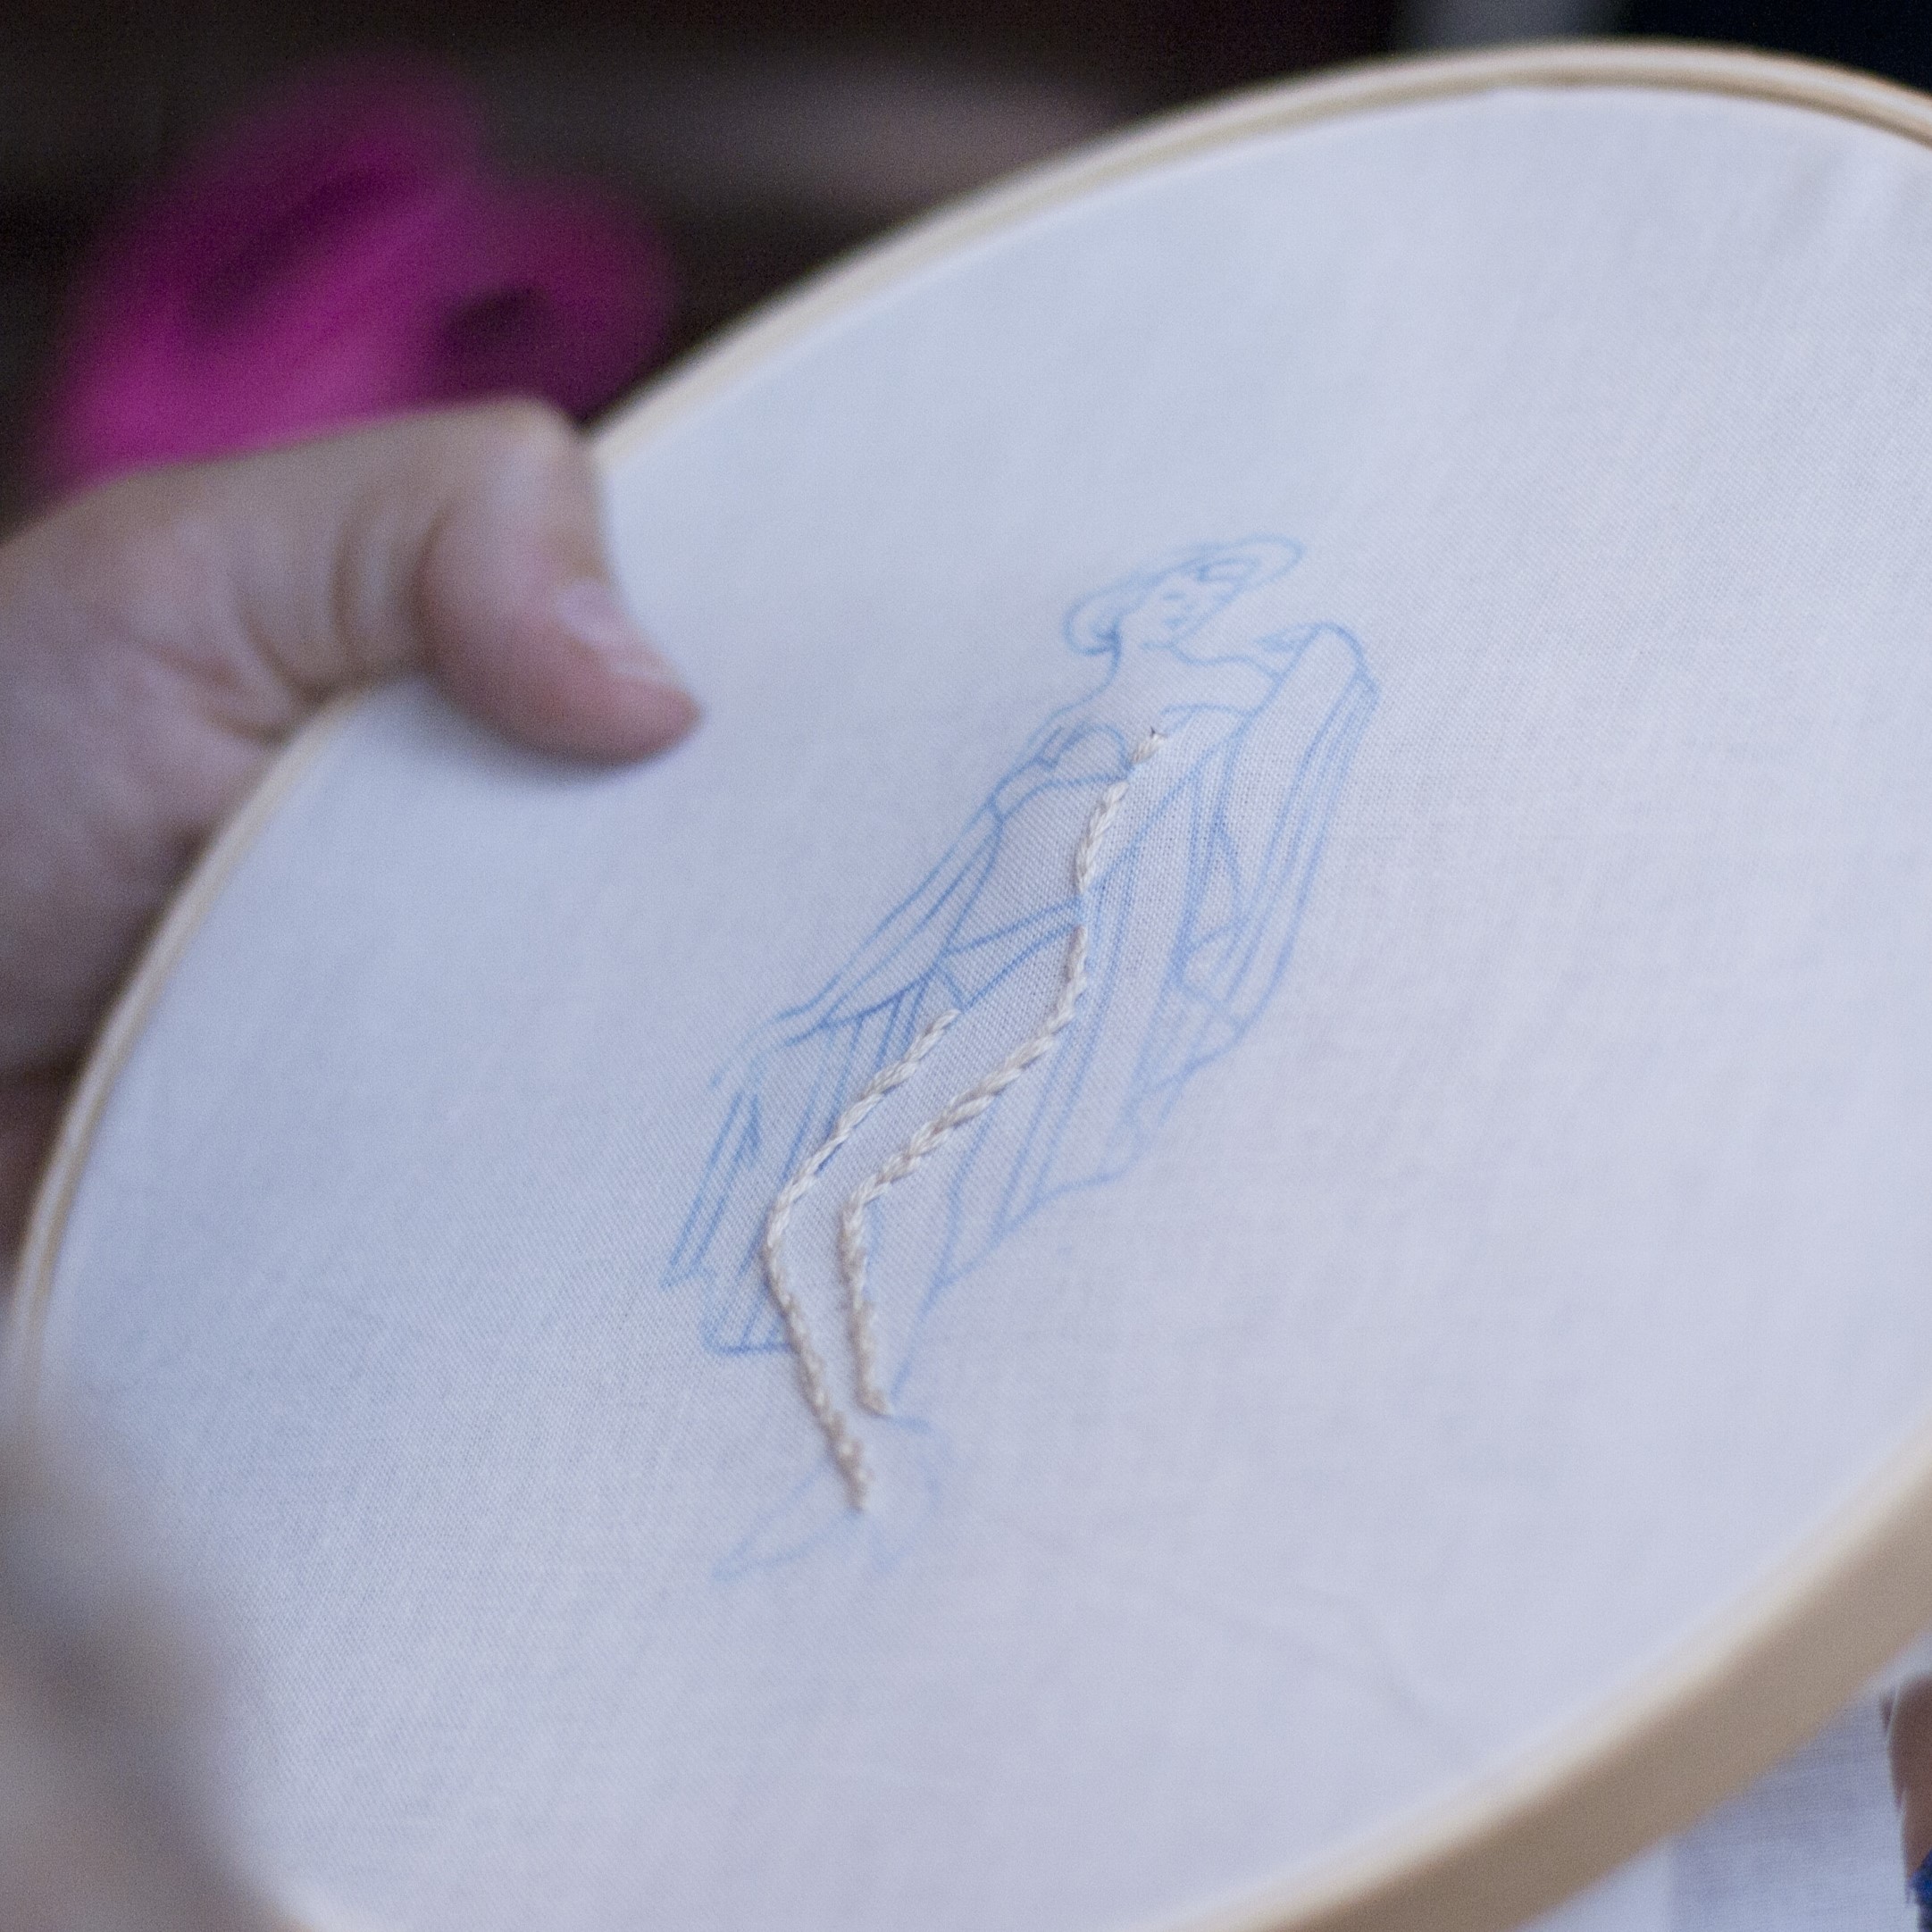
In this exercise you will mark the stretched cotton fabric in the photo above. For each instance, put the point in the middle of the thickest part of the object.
(1418, 1293)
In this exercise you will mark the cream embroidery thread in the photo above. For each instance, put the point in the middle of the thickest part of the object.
(846, 1449)
(961, 1111)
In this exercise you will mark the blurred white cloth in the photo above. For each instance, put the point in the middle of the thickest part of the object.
(1811, 1847)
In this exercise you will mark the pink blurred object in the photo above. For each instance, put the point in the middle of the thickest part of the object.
(343, 254)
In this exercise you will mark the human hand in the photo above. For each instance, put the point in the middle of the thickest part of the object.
(160, 636)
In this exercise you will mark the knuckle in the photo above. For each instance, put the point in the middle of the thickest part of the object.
(528, 434)
(151, 548)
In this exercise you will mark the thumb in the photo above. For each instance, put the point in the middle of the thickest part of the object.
(161, 635)
(467, 543)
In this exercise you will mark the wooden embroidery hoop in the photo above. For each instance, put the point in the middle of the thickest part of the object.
(1726, 1706)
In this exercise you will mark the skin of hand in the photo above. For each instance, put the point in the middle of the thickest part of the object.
(162, 635)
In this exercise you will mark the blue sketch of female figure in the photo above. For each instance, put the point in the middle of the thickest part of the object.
(1192, 912)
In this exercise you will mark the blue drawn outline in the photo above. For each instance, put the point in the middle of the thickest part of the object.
(1238, 852)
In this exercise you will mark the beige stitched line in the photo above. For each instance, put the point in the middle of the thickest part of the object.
(846, 1449)
(967, 1107)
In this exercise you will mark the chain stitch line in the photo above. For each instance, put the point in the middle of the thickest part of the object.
(847, 1450)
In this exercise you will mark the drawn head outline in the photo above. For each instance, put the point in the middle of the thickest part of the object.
(1161, 608)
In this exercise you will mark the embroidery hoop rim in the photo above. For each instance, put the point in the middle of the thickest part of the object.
(1784, 1655)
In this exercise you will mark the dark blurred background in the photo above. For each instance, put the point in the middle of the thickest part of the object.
(761, 136)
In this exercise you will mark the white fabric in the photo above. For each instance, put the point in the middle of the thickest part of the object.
(1470, 1316)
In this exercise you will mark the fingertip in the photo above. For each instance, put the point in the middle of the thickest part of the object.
(637, 724)
(675, 715)
(522, 621)
(592, 618)
(568, 679)
(617, 694)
